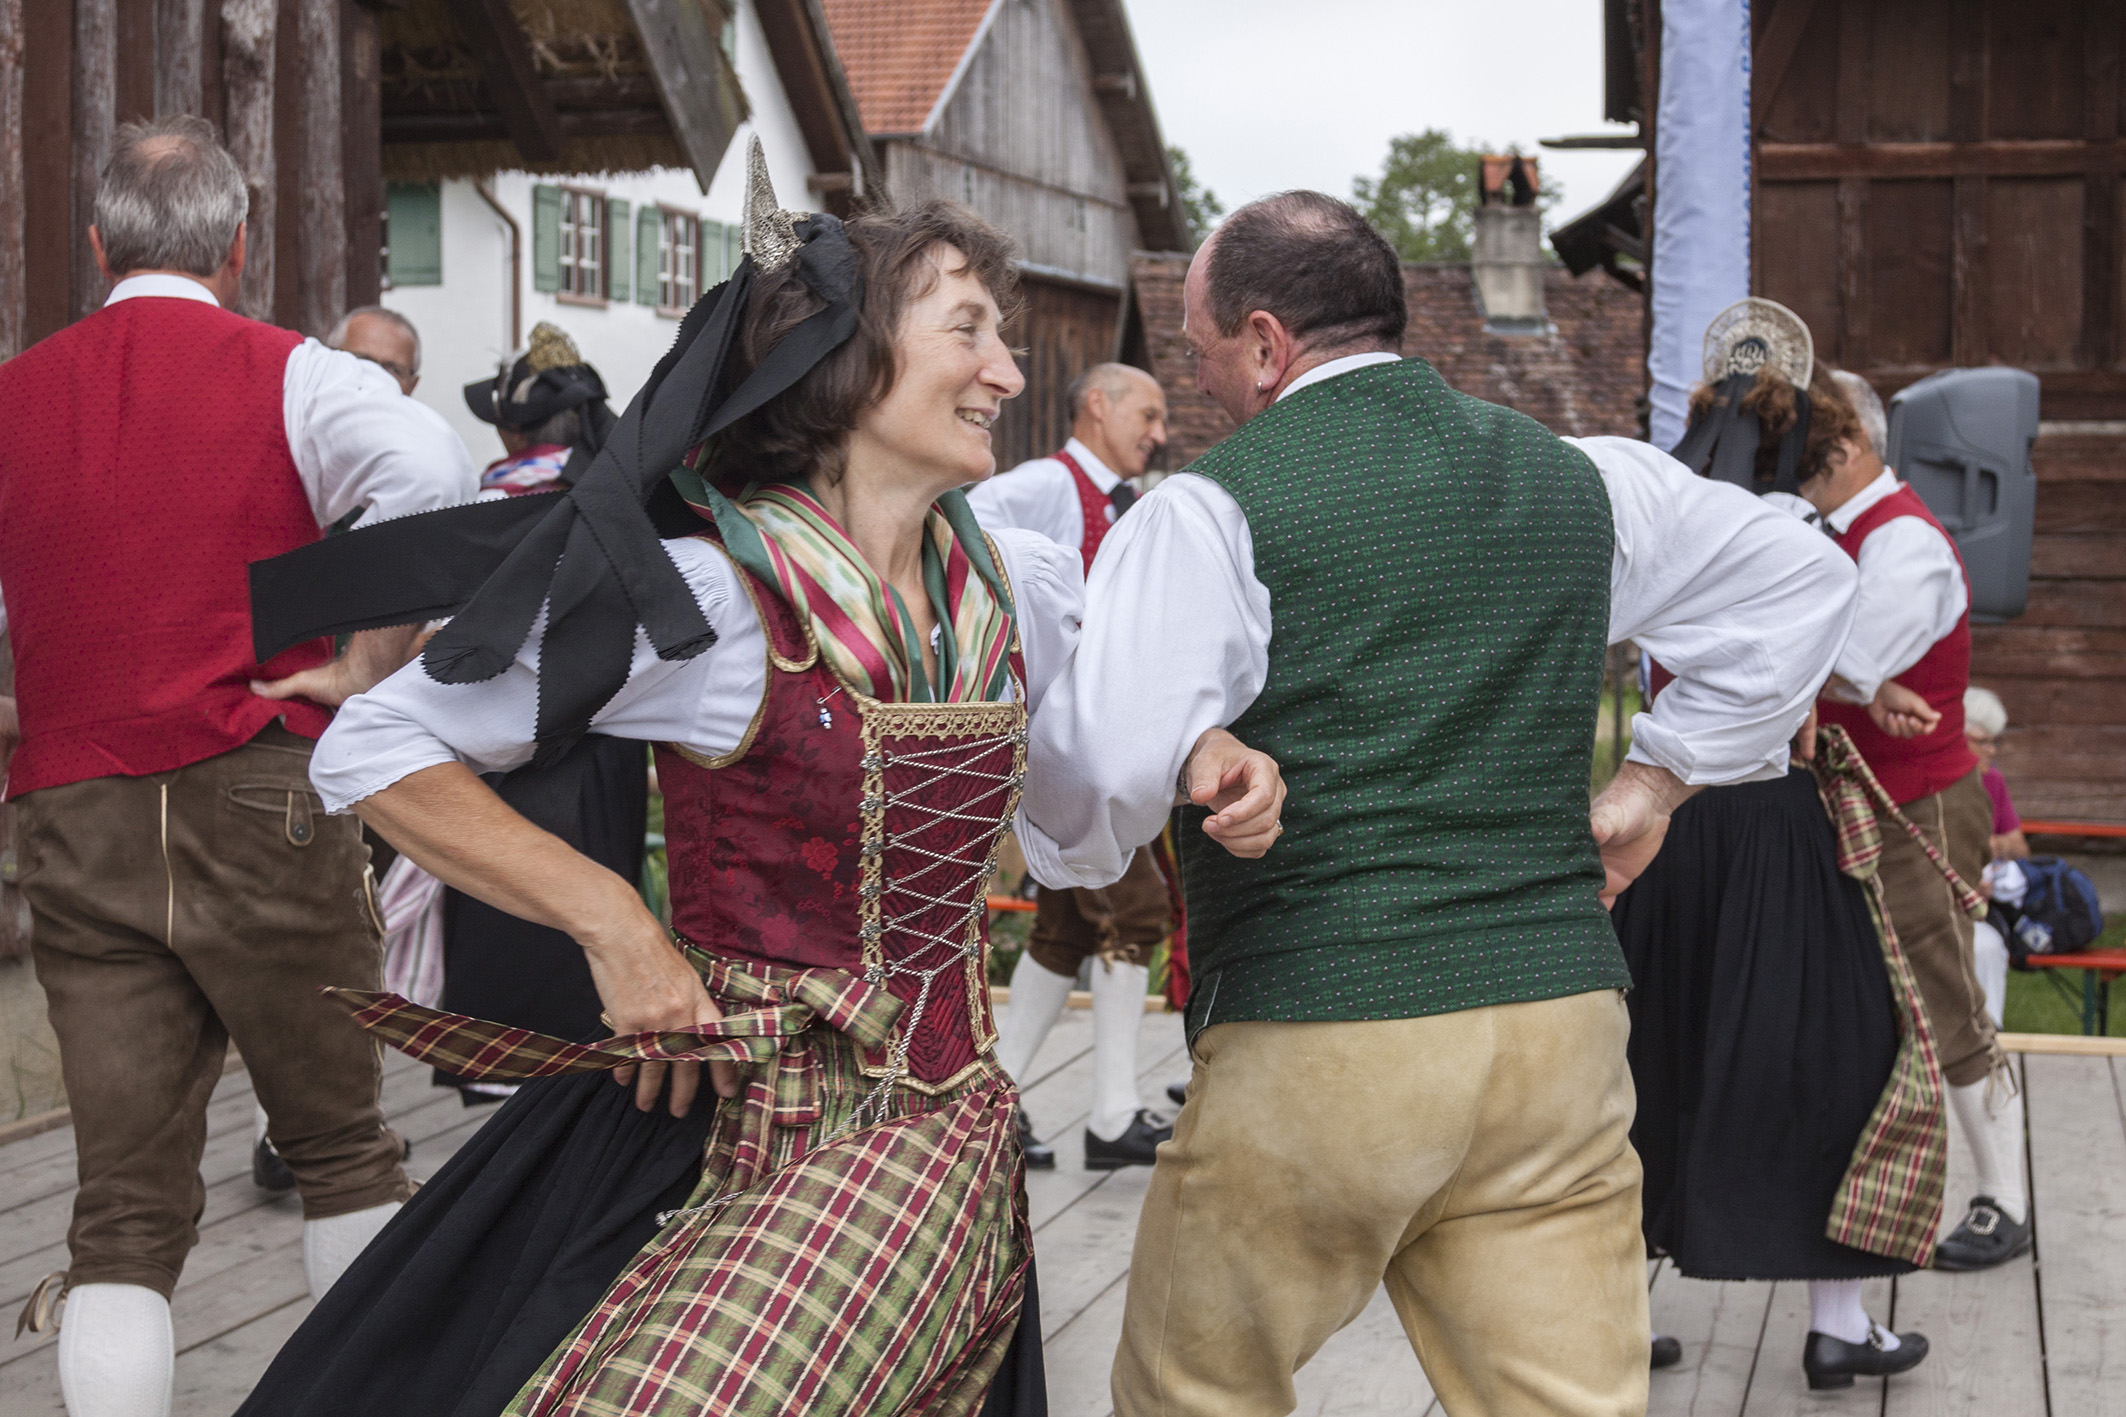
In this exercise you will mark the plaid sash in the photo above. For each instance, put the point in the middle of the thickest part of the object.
(1889, 1201)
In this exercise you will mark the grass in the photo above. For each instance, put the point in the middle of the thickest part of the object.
(1606, 756)
(2036, 1005)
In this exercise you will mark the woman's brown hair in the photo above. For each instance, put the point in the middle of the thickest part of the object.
(1832, 421)
(799, 434)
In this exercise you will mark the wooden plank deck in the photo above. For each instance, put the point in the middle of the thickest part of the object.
(2042, 1337)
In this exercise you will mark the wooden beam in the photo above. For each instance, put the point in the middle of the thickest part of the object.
(2100, 198)
(2065, 1044)
(247, 104)
(1969, 261)
(95, 117)
(488, 127)
(702, 97)
(14, 274)
(362, 151)
(1775, 51)
(179, 38)
(2046, 157)
(504, 54)
(321, 230)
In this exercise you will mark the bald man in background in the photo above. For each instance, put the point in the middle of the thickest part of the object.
(1118, 422)
(385, 338)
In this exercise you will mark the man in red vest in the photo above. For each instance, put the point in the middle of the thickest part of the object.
(186, 888)
(1118, 421)
(1909, 657)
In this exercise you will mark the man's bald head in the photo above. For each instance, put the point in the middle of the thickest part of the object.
(1119, 412)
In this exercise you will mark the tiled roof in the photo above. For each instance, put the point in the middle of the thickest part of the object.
(899, 54)
(1581, 379)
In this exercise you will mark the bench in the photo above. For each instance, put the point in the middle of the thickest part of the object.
(2099, 968)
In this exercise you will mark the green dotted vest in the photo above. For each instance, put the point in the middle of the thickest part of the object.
(1438, 570)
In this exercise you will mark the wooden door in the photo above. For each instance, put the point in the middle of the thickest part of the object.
(1063, 331)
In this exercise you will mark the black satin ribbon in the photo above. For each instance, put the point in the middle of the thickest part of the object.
(1722, 442)
(591, 556)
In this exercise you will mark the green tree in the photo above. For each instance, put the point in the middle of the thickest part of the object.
(1424, 196)
(1199, 204)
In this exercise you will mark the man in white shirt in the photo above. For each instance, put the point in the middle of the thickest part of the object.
(1118, 423)
(1406, 1019)
(386, 339)
(1911, 646)
(186, 888)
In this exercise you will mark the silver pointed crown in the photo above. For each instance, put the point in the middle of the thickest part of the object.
(1752, 333)
(770, 232)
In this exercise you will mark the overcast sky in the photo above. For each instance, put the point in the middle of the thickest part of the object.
(1270, 94)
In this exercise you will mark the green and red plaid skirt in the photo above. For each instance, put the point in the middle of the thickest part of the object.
(847, 1250)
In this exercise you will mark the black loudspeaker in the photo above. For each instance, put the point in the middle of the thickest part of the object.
(1962, 439)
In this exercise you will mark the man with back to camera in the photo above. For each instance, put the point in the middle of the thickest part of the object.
(1118, 422)
(385, 338)
(1406, 1020)
(186, 888)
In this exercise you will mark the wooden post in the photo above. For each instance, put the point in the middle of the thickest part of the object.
(321, 233)
(247, 28)
(362, 151)
(95, 116)
(13, 276)
(178, 41)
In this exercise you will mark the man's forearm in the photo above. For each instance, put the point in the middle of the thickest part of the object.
(375, 655)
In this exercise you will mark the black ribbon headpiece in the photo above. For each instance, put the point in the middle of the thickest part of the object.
(592, 555)
(549, 378)
(1722, 441)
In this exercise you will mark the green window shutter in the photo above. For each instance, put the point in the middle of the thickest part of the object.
(714, 269)
(416, 233)
(734, 247)
(617, 265)
(649, 231)
(546, 237)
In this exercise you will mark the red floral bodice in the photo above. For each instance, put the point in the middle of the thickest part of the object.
(851, 833)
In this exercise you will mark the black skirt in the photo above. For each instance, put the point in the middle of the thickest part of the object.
(496, 966)
(1763, 1033)
(494, 1262)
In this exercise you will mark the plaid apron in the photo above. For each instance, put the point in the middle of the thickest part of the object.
(854, 1245)
(1889, 1202)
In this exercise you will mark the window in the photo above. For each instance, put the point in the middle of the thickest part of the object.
(678, 261)
(582, 244)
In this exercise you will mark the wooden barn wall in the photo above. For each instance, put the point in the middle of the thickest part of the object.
(1938, 185)
(1022, 139)
(1064, 330)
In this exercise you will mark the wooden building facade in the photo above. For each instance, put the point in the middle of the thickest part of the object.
(1936, 183)
(1035, 113)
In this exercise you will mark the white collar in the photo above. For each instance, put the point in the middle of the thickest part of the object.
(1841, 521)
(1102, 476)
(157, 283)
(1334, 367)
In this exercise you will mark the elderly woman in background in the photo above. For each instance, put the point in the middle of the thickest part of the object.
(1985, 720)
(845, 1231)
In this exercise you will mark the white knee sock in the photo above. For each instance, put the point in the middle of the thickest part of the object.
(1037, 996)
(116, 1351)
(1996, 1135)
(1835, 1309)
(329, 1246)
(258, 1124)
(1118, 1014)
(1990, 956)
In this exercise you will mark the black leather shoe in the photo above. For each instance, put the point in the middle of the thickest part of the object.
(1986, 1238)
(1039, 1157)
(1833, 1363)
(1177, 1093)
(1133, 1148)
(1667, 1351)
(268, 1172)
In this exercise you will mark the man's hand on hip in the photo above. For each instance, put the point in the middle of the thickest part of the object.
(372, 656)
(1630, 820)
(1243, 789)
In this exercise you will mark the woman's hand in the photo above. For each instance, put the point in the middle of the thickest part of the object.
(647, 986)
(1242, 787)
(1901, 713)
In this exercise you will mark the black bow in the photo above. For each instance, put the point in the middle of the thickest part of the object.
(1722, 441)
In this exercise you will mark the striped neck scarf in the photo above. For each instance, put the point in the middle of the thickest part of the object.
(781, 533)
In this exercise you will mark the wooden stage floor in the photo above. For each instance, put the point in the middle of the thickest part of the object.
(2043, 1337)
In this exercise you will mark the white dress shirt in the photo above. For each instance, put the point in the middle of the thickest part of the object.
(410, 721)
(1042, 496)
(1912, 592)
(1744, 604)
(357, 440)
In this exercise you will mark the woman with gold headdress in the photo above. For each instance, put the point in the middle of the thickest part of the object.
(838, 670)
(1768, 1018)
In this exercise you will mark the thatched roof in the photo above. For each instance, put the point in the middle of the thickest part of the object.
(614, 95)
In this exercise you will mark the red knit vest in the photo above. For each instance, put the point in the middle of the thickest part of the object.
(145, 466)
(1094, 503)
(850, 834)
(1912, 768)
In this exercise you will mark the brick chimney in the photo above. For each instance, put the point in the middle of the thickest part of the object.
(1508, 259)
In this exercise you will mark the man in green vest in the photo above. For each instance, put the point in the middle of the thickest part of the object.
(1407, 1023)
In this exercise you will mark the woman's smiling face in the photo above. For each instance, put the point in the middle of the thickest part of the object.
(953, 374)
